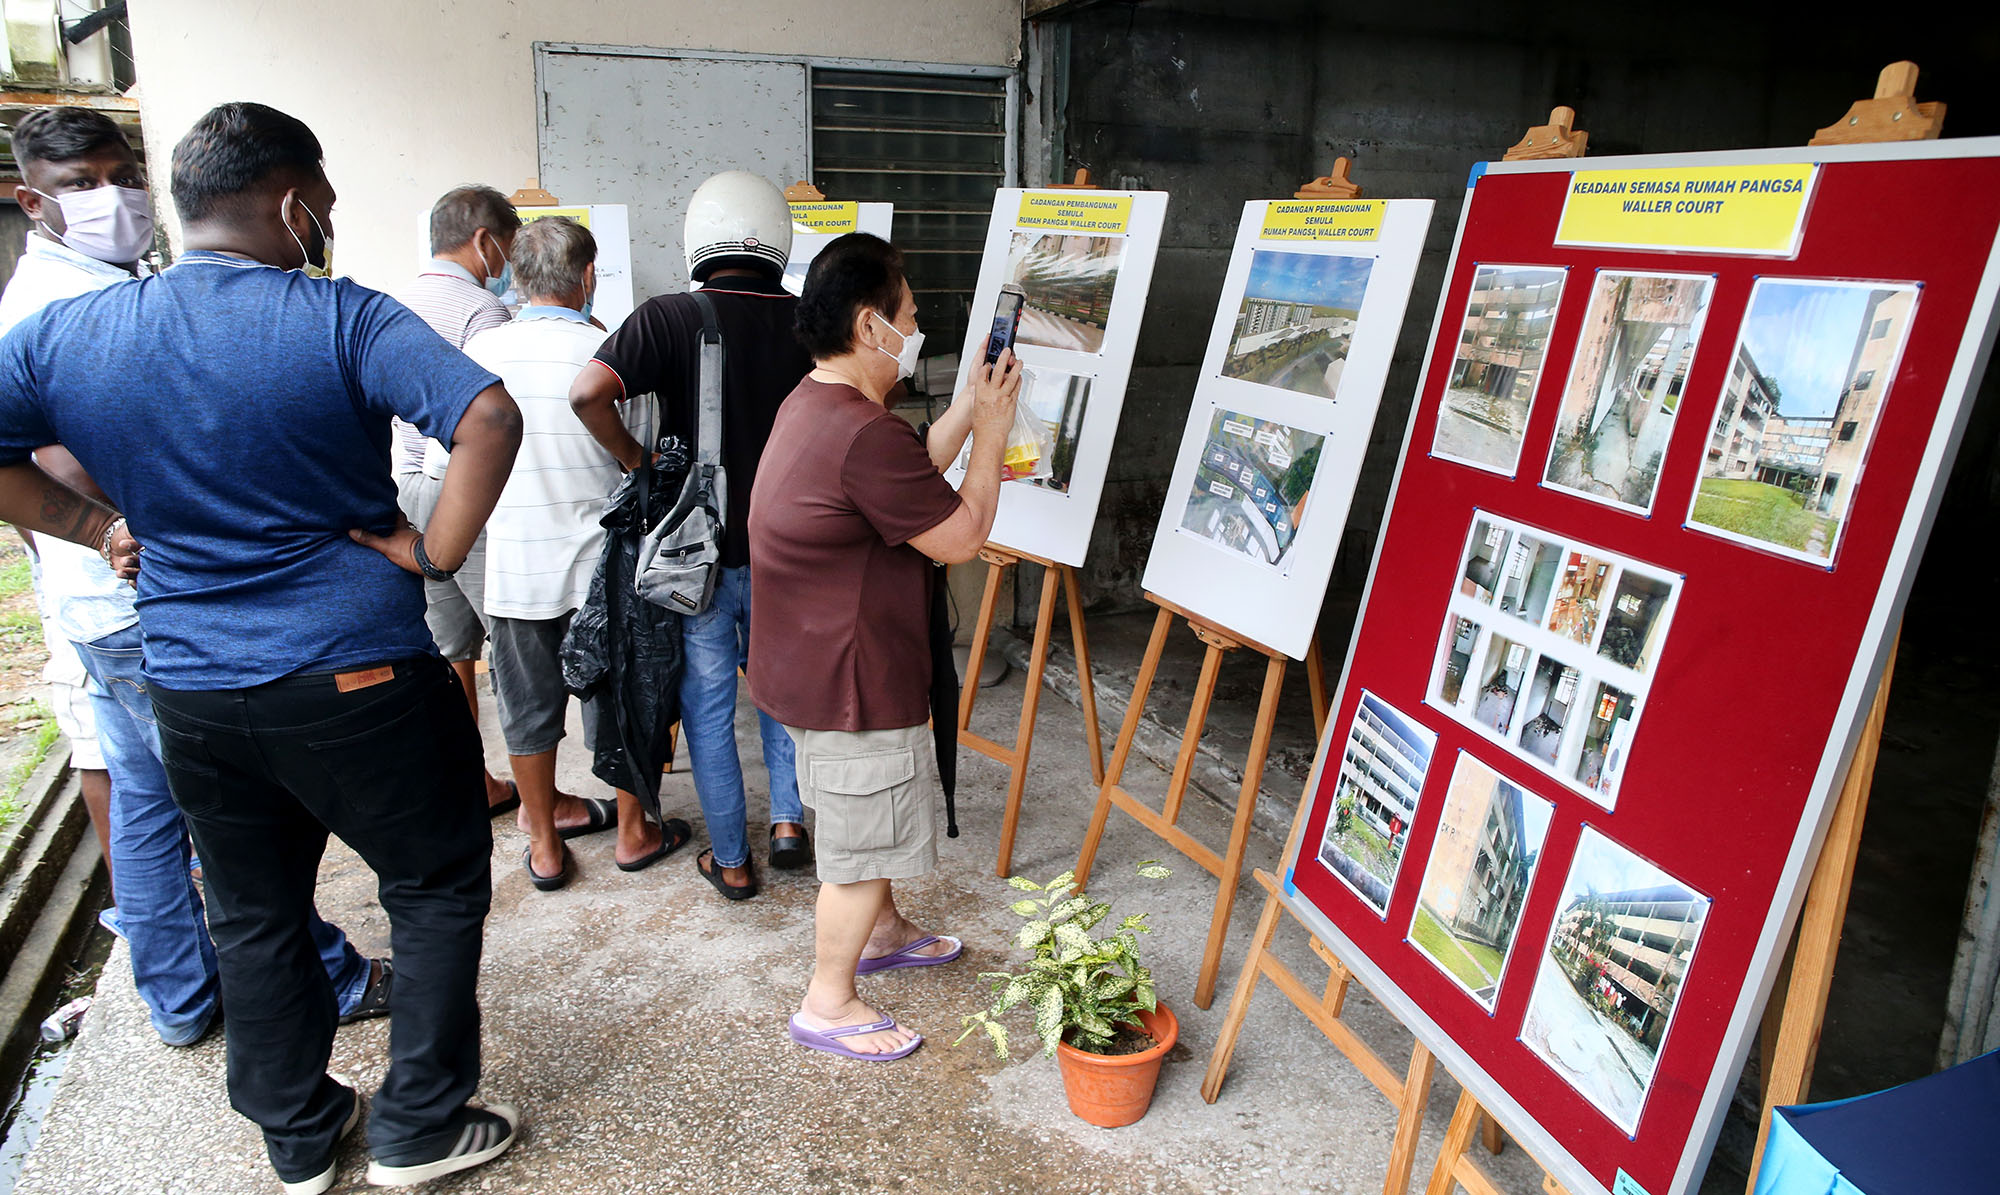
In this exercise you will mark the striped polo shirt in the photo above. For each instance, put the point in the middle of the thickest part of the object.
(543, 540)
(448, 298)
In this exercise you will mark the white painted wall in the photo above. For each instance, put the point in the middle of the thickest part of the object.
(413, 97)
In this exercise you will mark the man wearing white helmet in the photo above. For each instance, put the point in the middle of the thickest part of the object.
(738, 237)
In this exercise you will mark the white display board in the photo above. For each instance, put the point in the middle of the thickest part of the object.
(1084, 260)
(1288, 391)
(816, 223)
(609, 223)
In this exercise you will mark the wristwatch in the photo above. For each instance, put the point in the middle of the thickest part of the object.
(424, 562)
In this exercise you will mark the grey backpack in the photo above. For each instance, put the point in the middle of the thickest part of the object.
(680, 559)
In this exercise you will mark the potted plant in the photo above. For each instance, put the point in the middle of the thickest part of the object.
(1092, 1000)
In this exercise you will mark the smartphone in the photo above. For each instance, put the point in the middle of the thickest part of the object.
(1006, 319)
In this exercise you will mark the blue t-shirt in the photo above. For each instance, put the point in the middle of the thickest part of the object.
(238, 416)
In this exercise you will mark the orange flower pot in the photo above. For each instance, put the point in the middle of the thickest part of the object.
(1112, 1090)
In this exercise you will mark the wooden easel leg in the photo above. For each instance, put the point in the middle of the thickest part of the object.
(1239, 831)
(1024, 734)
(1491, 1136)
(1818, 937)
(982, 632)
(1239, 1004)
(1409, 1120)
(1086, 687)
(1197, 721)
(1316, 685)
(1457, 1139)
(1155, 648)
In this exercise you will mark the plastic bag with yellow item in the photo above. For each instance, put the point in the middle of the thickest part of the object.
(1030, 445)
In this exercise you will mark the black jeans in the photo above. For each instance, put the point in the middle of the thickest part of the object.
(395, 770)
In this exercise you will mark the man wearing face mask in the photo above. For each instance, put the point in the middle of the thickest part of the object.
(458, 295)
(86, 193)
(737, 238)
(297, 690)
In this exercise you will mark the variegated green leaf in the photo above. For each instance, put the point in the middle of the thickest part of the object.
(1026, 908)
(1072, 943)
(1067, 909)
(1032, 935)
(1023, 883)
(1153, 869)
(1049, 1018)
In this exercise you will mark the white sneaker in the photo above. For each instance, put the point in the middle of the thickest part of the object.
(323, 1181)
(487, 1133)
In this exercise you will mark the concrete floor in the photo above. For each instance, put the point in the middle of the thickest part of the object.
(639, 1021)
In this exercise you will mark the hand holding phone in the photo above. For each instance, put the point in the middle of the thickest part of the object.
(1006, 321)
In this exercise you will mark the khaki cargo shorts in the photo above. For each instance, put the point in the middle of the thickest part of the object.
(876, 794)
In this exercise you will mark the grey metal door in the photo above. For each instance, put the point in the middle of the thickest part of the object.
(644, 129)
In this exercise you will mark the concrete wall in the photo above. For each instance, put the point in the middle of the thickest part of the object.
(411, 99)
(1219, 103)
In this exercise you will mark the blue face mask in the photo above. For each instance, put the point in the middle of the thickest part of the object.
(501, 282)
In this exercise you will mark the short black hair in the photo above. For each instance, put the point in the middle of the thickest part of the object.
(233, 148)
(465, 210)
(853, 273)
(65, 134)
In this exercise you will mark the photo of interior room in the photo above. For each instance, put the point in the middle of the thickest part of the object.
(1605, 738)
(1576, 610)
(1460, 640)
(1530, 575)
(1545, 711)
(1634, 625)
(1500, 683)
(1482, 562)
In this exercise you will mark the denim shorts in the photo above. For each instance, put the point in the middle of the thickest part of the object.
(876, 793)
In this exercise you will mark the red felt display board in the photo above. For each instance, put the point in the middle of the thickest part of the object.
(1766, 663)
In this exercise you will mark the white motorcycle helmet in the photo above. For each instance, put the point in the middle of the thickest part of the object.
(737, 218)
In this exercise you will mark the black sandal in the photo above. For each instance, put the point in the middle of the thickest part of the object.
(714, 876)
(541, 882)
(790, 852)
(674, 834)
(603, 816)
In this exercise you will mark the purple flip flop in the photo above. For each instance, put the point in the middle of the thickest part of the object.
(828, 1040)
(907, 956)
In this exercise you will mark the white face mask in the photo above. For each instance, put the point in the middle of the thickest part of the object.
(906, 361)
(111, 224)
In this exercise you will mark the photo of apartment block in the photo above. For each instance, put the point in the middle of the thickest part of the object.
(1813, 363)
(1608, 982)
(1476, 882)
(1375, 799)
(1507, 320)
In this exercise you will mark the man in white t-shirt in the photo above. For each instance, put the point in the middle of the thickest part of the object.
(543, 539)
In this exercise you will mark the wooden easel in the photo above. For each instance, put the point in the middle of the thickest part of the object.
(1056, 578)
(1228, 866)
(1789, 1040)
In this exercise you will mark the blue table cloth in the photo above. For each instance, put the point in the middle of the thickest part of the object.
(1935, 1136)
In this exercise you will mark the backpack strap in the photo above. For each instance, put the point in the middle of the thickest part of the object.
(708, 431)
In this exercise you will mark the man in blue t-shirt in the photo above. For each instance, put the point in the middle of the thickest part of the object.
(236, 409)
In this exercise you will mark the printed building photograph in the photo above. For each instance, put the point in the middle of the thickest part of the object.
(1461, 636)
(1813, 363)
(1578, 601)
(1546, 707)
(1529, 576)
(1632, 358)
(1057, 400)
(1508, 316)
(1375, 799)
(1500, 686)
(1637, 620)
(1251, 485)
(1611, 975)
(1483, 556)
(1297, 321)
(1606, 735)
(1068, 282)
(1476, 882)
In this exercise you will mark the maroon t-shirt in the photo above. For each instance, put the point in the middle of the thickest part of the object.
(840, 624)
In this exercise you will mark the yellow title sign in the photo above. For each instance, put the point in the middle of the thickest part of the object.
(579, 214)
(1089, 213)
(1324, 220)
(1756, 210)
(829, 218)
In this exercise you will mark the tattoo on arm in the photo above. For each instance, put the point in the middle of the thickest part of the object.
(63, 507)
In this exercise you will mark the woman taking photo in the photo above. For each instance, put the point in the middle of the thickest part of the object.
(849, 511)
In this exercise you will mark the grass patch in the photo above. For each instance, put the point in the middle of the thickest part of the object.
(1759, 511)
(1452, 953)
(16, 577)
(46, 734)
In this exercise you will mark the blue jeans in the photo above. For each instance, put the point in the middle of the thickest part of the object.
(159, 907)
(717, 644)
